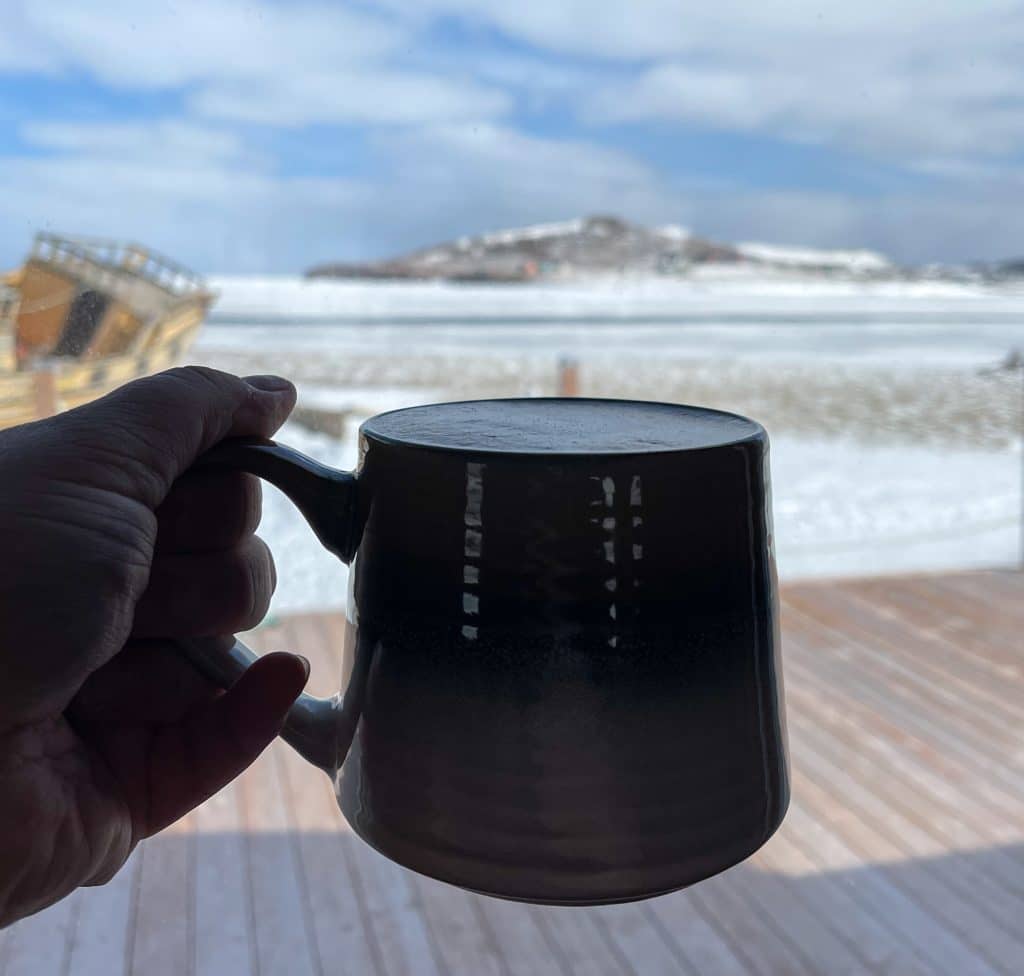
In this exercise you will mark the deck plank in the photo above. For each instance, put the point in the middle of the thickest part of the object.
(926, 824)
(521, 943)
(579, 944)
(162, 943)
(908, 783)
(922, 646)
(903, 851)
(99, 940)
(395, 916)
(699, 946)
(645, 946)
(925, 665)
(965, 901)
(881, 899)
(968, 631)
(971, 791)
(37, 945)
(225, 939)
(908, 705)
(391, 904)
(990, 593)
(872, 946)
(280, 900)
(464, 946)
(343, 938)
(897, 681)
(820, 948)
(750, 935)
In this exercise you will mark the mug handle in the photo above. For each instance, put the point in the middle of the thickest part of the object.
(326, 498)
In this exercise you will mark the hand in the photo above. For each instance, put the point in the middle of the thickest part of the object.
(111, 549)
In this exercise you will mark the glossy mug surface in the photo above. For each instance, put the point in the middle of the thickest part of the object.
(562, 678)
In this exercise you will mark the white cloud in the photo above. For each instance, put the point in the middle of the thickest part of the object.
(469, 178)
(159, 44)
(899, 80)
(675, 91)
(248, 60)
(163, 141)
(369, 96)
(209, 217)
(656, 29)
(528, 72)
(918, 78)
(895, 113)
(20, 49)
(192, 191)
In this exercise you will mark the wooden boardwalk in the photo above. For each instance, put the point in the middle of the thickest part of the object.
(903, 851)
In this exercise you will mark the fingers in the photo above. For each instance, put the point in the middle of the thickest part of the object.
(205, 593)
(207, 510)
(140, 438)
(191, 761)
(148, 683)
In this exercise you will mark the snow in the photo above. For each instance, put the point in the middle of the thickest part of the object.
(673, 232)
(711, 290)
(846, 509)
(858, 260)
(533, 232)
(365, 401)
(308, 576)
(892, 323)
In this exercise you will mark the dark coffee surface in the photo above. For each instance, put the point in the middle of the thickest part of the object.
(561, 426)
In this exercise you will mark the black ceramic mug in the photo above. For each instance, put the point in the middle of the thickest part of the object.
(562, 676)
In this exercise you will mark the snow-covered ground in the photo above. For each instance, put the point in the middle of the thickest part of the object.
(743, 317)
(708, 293)
(878, 486)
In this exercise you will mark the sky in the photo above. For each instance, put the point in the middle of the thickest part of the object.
(266, 136)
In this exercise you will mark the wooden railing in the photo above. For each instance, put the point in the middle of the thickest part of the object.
(104, 262)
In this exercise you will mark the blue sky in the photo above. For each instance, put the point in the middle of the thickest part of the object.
(258, 135)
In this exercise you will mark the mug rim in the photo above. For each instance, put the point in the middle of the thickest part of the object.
(757, 434)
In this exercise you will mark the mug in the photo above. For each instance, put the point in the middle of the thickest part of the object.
(561, 676)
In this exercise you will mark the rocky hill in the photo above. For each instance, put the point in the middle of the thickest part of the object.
(600, 245)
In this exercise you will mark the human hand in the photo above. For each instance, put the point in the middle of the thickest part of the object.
(112, 548)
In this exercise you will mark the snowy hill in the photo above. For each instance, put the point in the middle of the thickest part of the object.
(602, 246)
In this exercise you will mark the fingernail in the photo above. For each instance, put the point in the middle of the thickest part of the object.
(269, 384)
(304, 662)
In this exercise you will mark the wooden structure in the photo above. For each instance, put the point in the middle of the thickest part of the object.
(83, 316)
(903, 852)
(568, 384)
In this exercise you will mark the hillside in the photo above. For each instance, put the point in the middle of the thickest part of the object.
(599, 246)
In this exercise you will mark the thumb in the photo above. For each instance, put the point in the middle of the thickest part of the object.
(213, 744)
(142, 436)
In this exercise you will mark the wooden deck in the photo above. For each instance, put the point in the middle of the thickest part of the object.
(903, 851)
